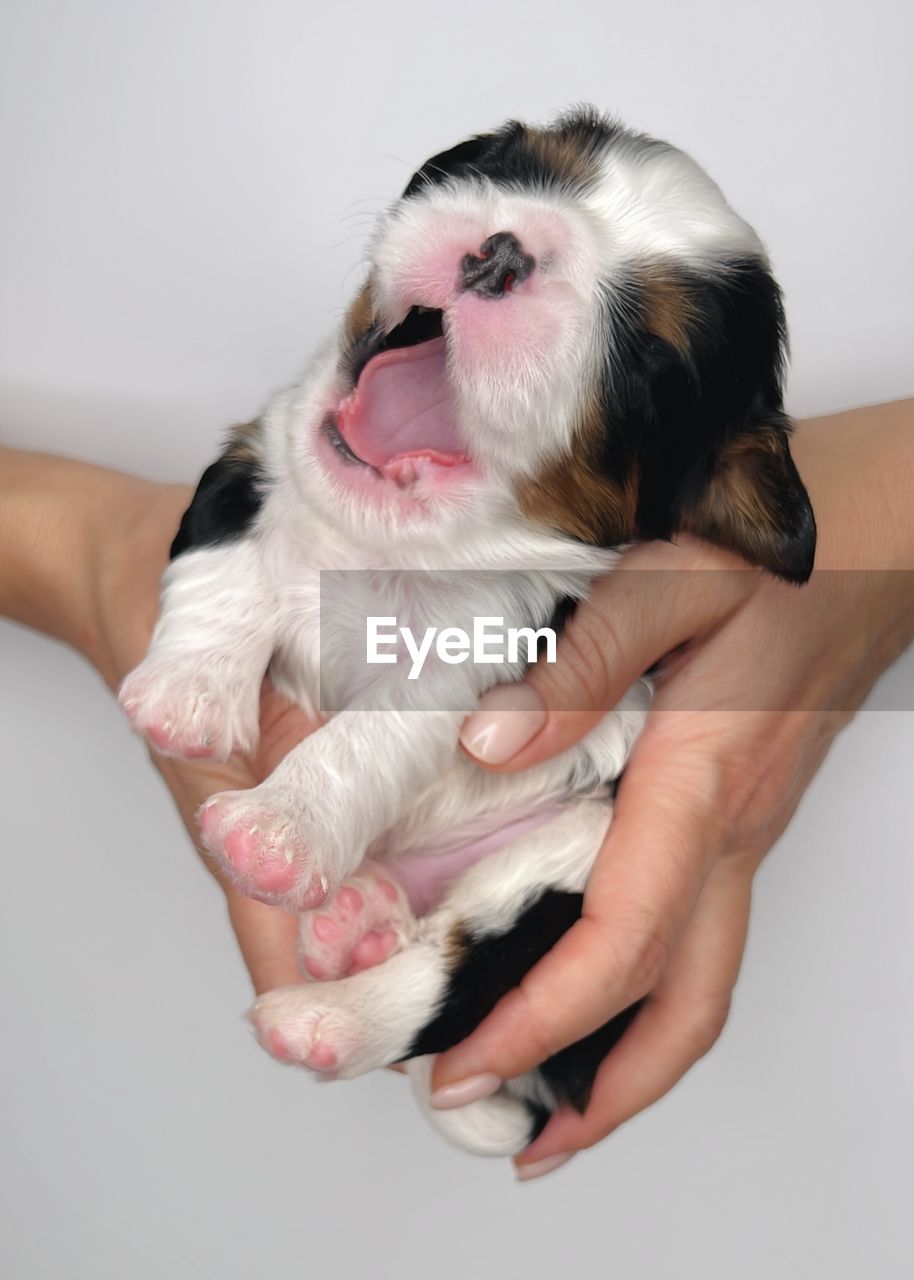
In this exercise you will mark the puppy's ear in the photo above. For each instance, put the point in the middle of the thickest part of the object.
(707, 367)
(228, 495)
(456, 162)
(749, 498)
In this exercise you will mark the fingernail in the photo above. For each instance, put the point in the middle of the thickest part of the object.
(527, 1172)
(506, 719)
(462, 1092)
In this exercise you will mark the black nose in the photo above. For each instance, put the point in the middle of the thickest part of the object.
(502, 263)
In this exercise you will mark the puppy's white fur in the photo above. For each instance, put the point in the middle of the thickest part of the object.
(385, 772)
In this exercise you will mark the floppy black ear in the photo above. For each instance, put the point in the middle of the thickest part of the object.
(228, 495)
(748, 497)
(501, 156)
(453, 163)
(702, 396)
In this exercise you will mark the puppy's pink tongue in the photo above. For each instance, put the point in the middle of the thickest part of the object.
(402, 405)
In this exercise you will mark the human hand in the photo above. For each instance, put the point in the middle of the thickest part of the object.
(705, 795)
(128, 605)
(82, 551)
(760, 678)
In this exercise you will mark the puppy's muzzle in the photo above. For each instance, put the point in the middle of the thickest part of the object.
(501, 264)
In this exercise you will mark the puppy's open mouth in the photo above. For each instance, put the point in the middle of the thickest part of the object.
(400, 417)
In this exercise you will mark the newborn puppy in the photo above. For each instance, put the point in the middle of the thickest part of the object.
(566, 342)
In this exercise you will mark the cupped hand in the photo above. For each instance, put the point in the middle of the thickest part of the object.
(131, 565)
(756, 679)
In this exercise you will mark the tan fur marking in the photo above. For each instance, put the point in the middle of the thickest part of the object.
(576, 496)
(668, 308)
(244, 442)
(739, 507)
(456, 945)
(360, 316)
(564, 155)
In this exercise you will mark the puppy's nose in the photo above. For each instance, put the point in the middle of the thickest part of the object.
(501, 264)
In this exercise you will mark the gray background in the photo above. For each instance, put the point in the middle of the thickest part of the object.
(185, 190)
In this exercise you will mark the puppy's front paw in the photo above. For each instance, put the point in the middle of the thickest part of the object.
(193, 707)
(260, 843)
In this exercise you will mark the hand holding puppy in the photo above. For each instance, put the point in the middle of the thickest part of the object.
(760, 679)
(82, 553)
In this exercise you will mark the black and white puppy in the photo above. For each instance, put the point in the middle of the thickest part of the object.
(567, 341)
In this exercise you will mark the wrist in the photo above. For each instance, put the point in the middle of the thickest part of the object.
(859, 469)
(129, 549)
(67, 534)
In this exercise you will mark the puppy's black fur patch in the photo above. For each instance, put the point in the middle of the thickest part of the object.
(490, 965)
(570, 1073)
(674, 413)
(514, 155)
(225, 503)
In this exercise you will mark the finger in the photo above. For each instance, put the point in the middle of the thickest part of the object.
(664, 838)
(676, 1027)
(267, 937)
(657, 599)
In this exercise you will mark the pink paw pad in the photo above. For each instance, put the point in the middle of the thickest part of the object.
(373, 949)
(321, 1057)
(268, 868)
(277, 1045)
(264, 857)
(313, 1041)
(362, 925)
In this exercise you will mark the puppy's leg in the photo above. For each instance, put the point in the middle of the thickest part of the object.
(196, 694)
(294, 839)
(494, 924)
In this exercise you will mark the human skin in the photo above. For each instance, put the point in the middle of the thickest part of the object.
(763, 677)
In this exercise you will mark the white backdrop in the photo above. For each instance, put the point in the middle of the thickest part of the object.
(185, 191)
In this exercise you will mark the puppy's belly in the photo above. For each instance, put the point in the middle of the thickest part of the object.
(426, 873)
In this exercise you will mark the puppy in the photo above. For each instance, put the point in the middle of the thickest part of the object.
(566, 342)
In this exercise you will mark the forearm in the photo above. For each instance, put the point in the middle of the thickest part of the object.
(65, 527)
(45, 537)
(82, 548)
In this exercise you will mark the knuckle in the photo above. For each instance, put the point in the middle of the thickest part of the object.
(707, 1021)
(590, 654)
(650, 960)
(640, 950)
(537, 1040)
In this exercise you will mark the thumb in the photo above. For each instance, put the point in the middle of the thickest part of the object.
(657, 598)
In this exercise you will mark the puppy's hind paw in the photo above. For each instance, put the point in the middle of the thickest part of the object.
(297, 1028)
(260, 848)
(363, 924)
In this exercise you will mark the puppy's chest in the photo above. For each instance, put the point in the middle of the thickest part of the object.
(336, 611)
